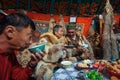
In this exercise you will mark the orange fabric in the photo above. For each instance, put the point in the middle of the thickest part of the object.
(117, 17)
(86, 21)
(46, 17)
(80, 20)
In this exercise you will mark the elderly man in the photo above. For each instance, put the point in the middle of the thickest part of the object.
(16, 34)
(81, 47)
(54, 42)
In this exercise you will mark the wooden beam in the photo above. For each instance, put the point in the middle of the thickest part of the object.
(28, 7)
(44, 6)
(17, 4)
(78, 6)
(69, 7)
(52, 6)
(91, 3)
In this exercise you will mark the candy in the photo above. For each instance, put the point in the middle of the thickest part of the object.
(94, 75)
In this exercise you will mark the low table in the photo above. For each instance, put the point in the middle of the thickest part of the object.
(69, 74)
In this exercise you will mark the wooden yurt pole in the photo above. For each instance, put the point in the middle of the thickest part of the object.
(78, 6)
(52, 6)
(28, 5)
(17, 4)
(69, 7)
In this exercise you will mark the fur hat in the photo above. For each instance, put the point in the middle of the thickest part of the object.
(51, 37)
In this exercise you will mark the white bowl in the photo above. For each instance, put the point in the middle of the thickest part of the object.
(66, 64)
(84, 45)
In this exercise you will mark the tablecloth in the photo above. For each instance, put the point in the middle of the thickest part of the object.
(68, 74)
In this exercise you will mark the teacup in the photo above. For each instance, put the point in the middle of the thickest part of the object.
(37, 48)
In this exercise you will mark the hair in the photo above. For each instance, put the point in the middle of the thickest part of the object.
(22, 11)
(17, 20)
(56, 28)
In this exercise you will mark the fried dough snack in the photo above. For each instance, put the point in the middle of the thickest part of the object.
(114, 67)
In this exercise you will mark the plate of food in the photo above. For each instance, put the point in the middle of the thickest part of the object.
(113, 73)
(99, 64)
(114, 69)
(100, 67)
(80, 66)
(85, 64)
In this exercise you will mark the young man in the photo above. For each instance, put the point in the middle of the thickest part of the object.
(16, 34)
(53, 54)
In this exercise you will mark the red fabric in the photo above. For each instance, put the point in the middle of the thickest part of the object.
(86, 21)
(10, 69)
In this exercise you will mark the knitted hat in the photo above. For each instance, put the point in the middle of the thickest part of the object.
(71, 26)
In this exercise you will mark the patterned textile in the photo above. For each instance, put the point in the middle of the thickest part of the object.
(65, 74)
(69, 74)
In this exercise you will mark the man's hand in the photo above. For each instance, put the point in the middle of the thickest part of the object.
(79, 50)
(35, 58)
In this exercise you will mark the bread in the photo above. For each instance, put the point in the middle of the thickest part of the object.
(114, 78)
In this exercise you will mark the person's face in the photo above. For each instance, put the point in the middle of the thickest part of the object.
(71, 32)
(22, 39)
(59, 33)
